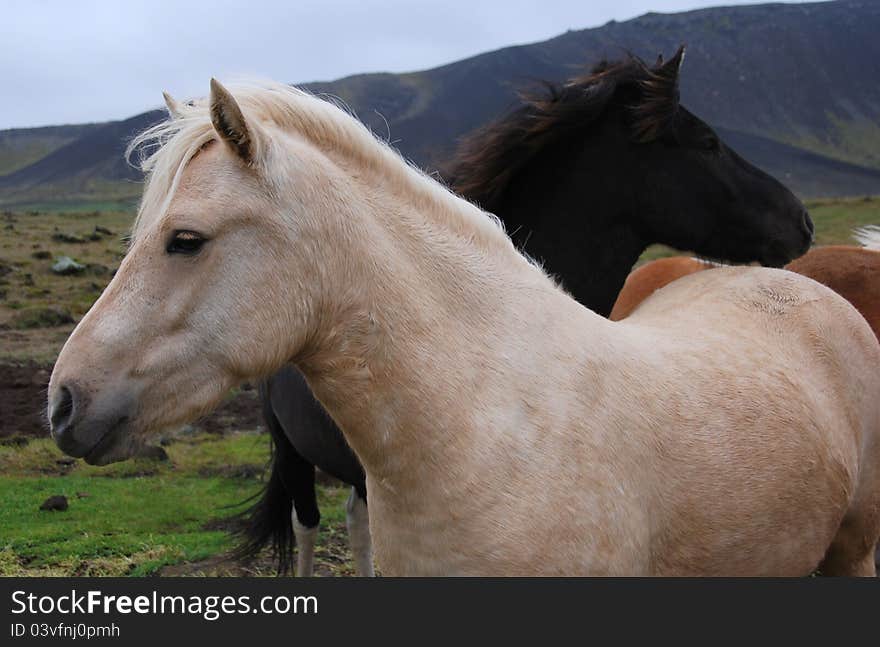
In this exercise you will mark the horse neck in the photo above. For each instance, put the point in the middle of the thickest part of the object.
(570, 211)
(428, 325)
(607, 261)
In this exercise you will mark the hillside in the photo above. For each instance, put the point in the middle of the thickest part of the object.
(89, 168)
(22, 146)
(793, 87)
(806, 75)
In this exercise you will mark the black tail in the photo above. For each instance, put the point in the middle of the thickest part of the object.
(268, 521)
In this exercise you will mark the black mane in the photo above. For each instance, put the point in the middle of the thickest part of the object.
(487, 160)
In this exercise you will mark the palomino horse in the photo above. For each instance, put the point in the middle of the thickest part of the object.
(853, 272)
(731, 426)
(585, 177)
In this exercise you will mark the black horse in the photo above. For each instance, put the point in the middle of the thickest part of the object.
(584, 177)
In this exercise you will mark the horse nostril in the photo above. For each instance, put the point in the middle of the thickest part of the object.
(808, 223)
(63, 411)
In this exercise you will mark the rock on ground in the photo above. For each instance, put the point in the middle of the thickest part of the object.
(55, 502)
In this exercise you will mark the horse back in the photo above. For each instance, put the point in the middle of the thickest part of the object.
(853, 272)
(788, 417)
(783, 329)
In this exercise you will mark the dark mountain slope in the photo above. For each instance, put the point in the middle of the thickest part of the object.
(810, 173)
(803, 74)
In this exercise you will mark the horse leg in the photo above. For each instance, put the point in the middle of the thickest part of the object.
(358, 522)
(305, 515)
(306, 538)
(852, 551)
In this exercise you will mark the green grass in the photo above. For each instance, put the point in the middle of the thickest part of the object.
(137, 516)
(836, 219)
(124, 526)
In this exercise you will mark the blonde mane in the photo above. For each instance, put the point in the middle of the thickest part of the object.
(165, 149)
(868, 237)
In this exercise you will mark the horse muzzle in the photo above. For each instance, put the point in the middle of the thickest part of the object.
(94, 429)
(784, 249)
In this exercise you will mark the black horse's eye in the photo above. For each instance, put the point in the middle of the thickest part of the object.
(185, 242)
(711, 144)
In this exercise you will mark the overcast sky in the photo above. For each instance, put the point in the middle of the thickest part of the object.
(72, 61)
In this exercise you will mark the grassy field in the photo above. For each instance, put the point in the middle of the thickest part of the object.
(146, 516)
(135, 517)
(29, 245)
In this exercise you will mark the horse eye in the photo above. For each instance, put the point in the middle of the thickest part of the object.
(185, 242)
(711, 144)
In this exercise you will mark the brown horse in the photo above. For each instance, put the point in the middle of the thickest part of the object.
(849, 270)
(644, 281)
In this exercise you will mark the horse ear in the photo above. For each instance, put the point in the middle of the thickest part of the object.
(173, 107)
(672, 67)
(659, 99)
(230, 124)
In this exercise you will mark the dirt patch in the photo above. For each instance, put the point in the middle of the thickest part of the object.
(23, 389)
(42, 317)
(332, 559)
(36, 346)
(231, 524)
(246, 471)
(14, 441)
(23, 400)
(218, 567)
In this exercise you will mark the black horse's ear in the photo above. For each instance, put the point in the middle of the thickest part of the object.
(658, 101)
(673, 65)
